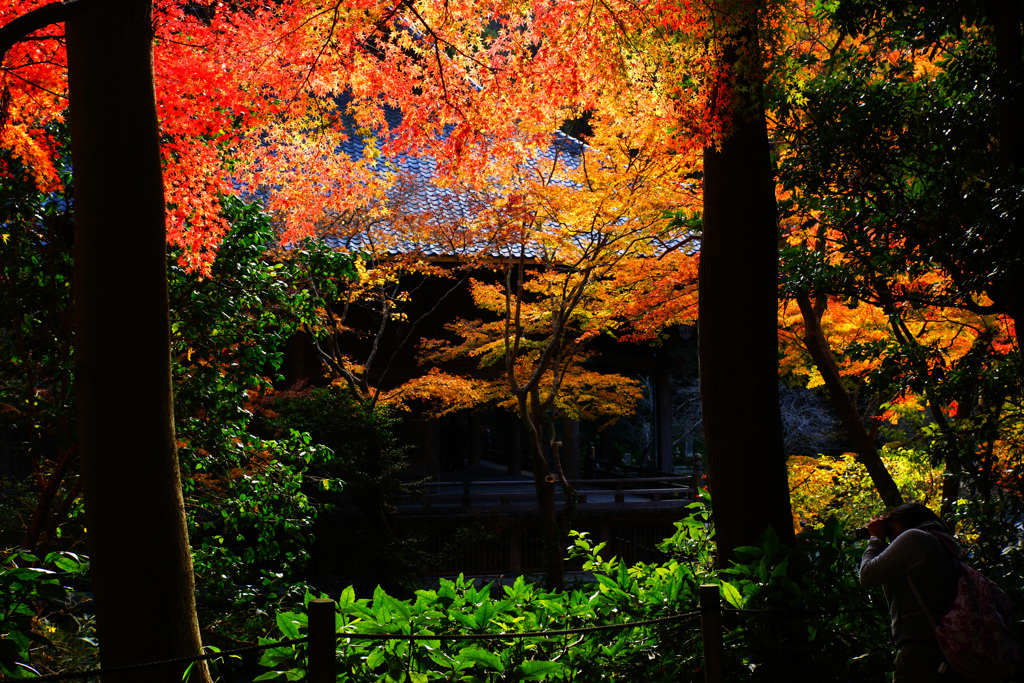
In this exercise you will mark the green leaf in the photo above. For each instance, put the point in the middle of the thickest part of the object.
(484, 613)
(538, 670)
(779, 570)
(288, 624)
(376, 658)
(731, 594)
(748, 552)
(482, 657)
(277, 656)
(67, 562)
(347, 597)
(771, 541)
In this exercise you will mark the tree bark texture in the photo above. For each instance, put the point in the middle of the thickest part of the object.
(738, 307)
(141, 565)
(1007, 17)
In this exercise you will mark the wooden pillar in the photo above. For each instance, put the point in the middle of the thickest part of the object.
(711, 630)
(323, 639)
(475, 439)
(515, 445)
(589, 462)
(515, 550)
(431, 435)
(453, 434)
(663, 420)
(605, 448)
(571, 448)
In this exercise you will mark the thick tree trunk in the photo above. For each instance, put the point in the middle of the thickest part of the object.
(849, 415)
(738, 308)
(141, 564)
(1007, 19)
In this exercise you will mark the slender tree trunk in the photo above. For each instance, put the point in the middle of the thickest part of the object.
(738, 306)
(953, 475)
(849, 415)
(553, 535)
(45, 518)
(141, 564)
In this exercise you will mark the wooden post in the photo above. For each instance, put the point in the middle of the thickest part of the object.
(322, 641)
(515, 550)
(663, 417)
(476, 440)
(515, 445)
(571, 448)
(711, 632)
(698, 475)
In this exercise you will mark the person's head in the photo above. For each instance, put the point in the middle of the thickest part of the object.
(909, 516)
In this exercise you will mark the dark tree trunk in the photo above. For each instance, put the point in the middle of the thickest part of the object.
(1007, 20)
(553, 533)
(738, 307)
(141, 564)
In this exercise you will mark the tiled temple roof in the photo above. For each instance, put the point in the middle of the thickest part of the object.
(415, 193)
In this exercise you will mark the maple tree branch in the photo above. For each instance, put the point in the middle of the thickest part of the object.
(385, 314)
(15, 74)
(415, 324)
(23, 26)
(439, 40)
(319, 54)
(437, 49)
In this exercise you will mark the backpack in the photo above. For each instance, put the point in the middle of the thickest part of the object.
(976, 634)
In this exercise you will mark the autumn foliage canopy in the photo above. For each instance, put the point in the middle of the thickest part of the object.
(258, 97)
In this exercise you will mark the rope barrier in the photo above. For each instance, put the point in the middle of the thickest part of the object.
(356, 636)
(821, 612)
(516, 634)
(342, 635)
(163, 662)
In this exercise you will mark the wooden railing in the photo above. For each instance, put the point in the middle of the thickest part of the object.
(591, 494)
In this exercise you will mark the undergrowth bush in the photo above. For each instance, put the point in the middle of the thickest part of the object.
(35, 627)
(791, 614)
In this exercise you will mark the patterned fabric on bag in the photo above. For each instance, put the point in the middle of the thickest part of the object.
(976, 634)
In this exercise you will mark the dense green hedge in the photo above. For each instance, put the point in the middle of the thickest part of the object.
(791, 614)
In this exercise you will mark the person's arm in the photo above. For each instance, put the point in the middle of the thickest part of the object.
(880, 564)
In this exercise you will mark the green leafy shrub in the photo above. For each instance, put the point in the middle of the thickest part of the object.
(367, 455)
(37, 428)
(30, 590)
(801, 612)
(369, 459)
(253, 522)
(660, 651)
(792, 614)
(991, 533)
(252, 501)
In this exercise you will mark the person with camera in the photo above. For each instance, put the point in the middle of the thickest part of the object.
(903, 544)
